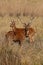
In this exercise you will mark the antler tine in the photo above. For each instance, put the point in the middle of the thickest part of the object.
(12, 23)
(28, 24)
(24, 24)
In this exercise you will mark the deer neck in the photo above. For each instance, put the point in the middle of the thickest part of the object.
(25, 32)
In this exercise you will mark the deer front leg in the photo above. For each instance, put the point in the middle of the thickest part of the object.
(19, 42)
(30, 39)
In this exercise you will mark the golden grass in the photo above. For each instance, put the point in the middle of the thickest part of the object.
(28, 54)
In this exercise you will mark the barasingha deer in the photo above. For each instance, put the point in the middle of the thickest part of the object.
(16, 35)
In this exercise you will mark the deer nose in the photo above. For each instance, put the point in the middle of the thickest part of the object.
(26, 35)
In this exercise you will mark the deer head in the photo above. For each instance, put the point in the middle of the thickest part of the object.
(28, 25)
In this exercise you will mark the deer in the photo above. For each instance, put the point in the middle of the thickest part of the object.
(30, 32)
(16, 34)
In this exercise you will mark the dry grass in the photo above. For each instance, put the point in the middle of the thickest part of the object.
(28, 54)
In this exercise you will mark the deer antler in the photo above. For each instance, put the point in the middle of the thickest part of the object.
(12, 23)
(21, 21)
(24, 24)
